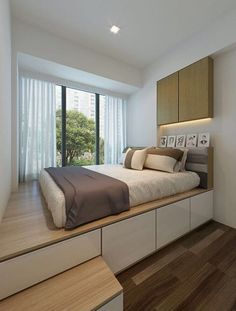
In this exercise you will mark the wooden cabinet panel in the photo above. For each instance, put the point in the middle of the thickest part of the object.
(173, 221)
(167, 100)
(196, 90)
(201, 209)
(128, 241)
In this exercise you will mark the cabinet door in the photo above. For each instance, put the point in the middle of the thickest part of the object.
(173, 221)
(201, 209)
(167, 99)
(196, 90)
(128, 241)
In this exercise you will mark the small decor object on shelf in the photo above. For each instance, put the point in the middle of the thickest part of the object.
(191, 140)
(203, 140)
(180, 141)
(171, 141)
(163, 141)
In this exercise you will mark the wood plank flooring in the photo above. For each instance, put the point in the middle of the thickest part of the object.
(197, 272)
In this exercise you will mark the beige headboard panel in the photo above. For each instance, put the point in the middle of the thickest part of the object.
(200, 160)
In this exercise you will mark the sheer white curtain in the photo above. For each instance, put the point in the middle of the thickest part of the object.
(115, 129)
(37, 122)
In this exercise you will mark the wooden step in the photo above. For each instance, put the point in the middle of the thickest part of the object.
(89, 286)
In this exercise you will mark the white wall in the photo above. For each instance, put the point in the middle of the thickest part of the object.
(5, 105)
(141, 117)
(142, 109)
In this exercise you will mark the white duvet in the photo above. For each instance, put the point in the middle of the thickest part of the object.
(144, 186)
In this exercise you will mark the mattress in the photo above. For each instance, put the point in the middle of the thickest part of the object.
(144, 186)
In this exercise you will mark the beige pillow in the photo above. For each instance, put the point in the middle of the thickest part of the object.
(163, 159)
(134, 159)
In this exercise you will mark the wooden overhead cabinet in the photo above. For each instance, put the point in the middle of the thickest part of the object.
(187, 94)
(167, 97)
(196, 91)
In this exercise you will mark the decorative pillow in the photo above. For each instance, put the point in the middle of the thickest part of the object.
(180, 165)
(163, 159)
(121, 161)
(134, 159)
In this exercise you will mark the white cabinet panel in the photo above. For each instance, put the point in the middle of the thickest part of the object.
(26, 270)
(116, 304)
(172, 222)
(201, 209)
(127, 241)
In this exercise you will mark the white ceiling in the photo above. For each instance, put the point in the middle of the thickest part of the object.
(33, 64)
(148, 27)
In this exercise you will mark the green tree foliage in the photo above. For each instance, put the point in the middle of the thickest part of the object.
(80, 136)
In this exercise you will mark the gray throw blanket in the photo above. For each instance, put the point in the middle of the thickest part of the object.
(89, 195)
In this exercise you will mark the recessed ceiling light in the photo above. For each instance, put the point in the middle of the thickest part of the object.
(115, 29)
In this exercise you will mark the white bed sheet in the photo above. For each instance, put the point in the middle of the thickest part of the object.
(144, 186)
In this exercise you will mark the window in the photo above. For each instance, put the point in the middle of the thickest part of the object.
(80, 127)
(61, 126)
(88, 125)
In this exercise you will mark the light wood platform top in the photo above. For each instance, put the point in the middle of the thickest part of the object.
(27, 224)
(85, 287)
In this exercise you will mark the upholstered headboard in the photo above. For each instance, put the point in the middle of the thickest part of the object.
(200, 160)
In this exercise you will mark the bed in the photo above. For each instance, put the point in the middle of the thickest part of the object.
(144, 186)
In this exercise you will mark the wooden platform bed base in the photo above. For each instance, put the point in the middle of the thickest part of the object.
(28, 225)
(33, 250)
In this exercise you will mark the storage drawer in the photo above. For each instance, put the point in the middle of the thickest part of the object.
(201, 209)
(26, 270)
(127, 241)
(172, 222)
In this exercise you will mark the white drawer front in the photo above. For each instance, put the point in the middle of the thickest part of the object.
(127, 241)
(26, 270)
(201, 209)
(116, 304)
(173, 221)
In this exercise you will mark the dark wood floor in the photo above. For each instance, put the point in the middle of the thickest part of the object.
(197, 272)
